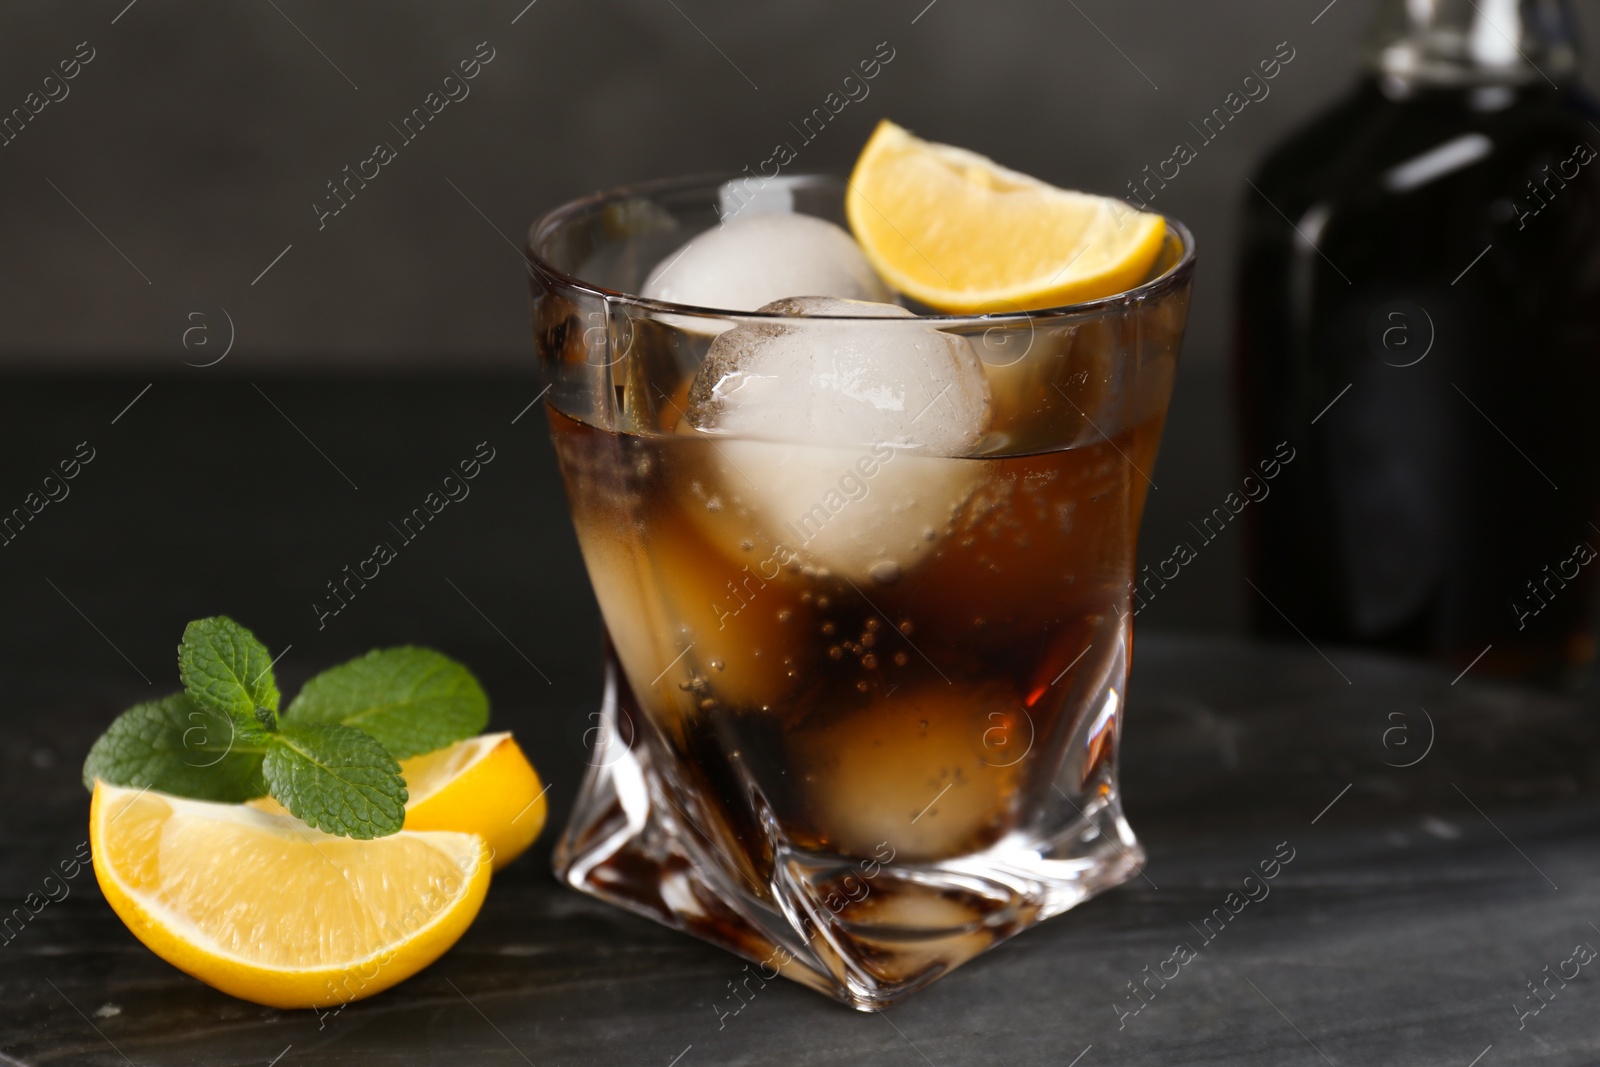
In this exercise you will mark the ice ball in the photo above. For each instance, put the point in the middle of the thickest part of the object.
(846, 441)
(837, 381)
(752, 260)
(911, 772)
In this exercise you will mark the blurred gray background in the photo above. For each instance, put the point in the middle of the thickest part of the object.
(179, 173)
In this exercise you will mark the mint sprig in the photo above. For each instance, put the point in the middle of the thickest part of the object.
(330, 759)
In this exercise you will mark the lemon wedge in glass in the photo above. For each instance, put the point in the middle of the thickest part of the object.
(965, 235)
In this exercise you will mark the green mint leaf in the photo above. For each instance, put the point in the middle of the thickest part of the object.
(412, 700)
(224, 667)
(336, 778)
(174, 745)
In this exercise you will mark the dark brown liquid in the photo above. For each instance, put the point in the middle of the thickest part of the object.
(917, 703)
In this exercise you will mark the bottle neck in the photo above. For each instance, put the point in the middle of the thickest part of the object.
(1421, 44)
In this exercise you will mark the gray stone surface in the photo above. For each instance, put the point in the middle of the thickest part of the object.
(1402, 931)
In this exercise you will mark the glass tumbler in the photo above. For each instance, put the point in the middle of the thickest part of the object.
(862, 697)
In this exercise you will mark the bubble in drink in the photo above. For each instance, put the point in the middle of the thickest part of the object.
(755, 259)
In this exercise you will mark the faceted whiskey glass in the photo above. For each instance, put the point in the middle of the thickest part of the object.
(862, 703)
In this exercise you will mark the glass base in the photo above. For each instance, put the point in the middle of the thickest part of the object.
(865, 931)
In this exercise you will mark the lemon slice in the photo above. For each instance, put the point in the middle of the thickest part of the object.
(269, 910)
(483, 785)
(962, 234)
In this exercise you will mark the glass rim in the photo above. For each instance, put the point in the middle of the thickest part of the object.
(563, 281)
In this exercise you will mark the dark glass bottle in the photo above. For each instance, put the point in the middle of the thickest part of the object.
(1419, 316)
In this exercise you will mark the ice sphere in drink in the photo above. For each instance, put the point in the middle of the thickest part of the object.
(834, 432)
(754, 259)
(842, 381)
